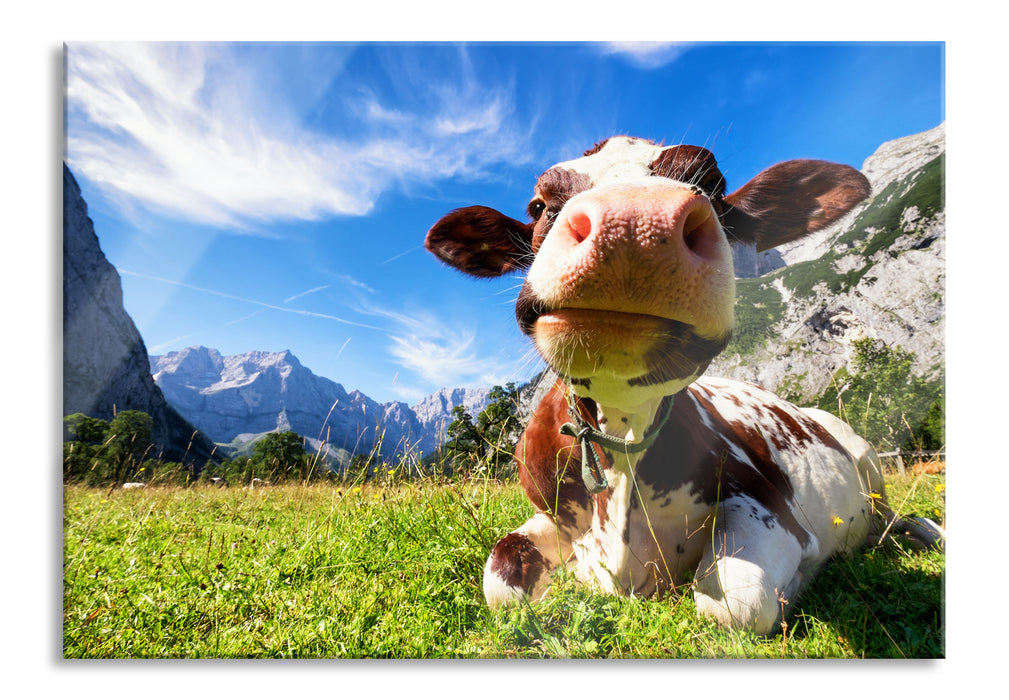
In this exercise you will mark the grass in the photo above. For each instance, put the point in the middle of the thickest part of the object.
(394, 571)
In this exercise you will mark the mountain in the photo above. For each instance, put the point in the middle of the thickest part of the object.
(236, 399)
(434, 412)
(105, 363)
(879, 272)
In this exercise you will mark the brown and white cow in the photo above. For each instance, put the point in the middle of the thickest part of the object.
(643, 474)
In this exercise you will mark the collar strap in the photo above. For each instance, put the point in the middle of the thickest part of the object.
(592, 474)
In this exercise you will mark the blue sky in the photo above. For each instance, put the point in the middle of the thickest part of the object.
(276, 196)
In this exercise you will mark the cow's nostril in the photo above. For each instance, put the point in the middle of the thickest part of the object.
(698, 230)
(580, 224)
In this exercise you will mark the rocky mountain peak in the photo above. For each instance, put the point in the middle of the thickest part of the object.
(237, 398)
(895, 160)
(197, 365)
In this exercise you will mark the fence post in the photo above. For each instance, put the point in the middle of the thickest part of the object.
(900, 464)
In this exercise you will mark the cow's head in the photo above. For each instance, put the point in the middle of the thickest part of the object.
(630, 289)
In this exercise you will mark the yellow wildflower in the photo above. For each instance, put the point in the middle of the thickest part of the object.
(837, 520)
(939, 488)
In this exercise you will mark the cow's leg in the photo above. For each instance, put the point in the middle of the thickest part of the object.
(521, 562)
(749, 569)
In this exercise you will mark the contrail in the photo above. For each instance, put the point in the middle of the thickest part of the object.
(302, 312)
(288, 300)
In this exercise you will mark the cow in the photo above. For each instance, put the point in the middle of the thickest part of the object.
(646, 475)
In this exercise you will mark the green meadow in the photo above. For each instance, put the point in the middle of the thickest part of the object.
(392, 569)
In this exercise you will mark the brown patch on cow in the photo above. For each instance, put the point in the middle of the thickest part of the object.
(793, 434)
(692, 165)
(753, 443)
(557, 185)
(517, 561)
(690, 452)
(683, 454)
(601, 501)
(821, 434)
(549, 464)
(553, 189)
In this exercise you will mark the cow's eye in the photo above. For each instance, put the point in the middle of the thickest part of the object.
(713, 184)
(536, 208)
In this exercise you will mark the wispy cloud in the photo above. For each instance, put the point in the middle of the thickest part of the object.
(351, 281)
(648, 54)
(256, 302)
(442, 352)
(397, 256)
(187, 129)
(288, 300)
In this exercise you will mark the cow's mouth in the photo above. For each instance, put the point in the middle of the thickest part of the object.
(642, 349)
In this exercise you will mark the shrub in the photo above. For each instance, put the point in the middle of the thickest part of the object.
(885, 401)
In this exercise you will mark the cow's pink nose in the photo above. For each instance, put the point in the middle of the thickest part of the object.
(664, 221)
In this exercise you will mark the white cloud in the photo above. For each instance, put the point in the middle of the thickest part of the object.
(438, 359)
(439, 353)
(191, 130)
(648, 54)
(443, 353)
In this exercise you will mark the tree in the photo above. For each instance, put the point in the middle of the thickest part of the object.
(490, 440)
(81, 428)
(885, 401)
(282, 455)
(82, 448)
(101, 451)
(129, 442)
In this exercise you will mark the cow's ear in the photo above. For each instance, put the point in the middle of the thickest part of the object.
(792, 199)
(481, 241)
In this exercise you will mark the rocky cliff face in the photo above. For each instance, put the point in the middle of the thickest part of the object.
(434, 412)
(235, 399)
(105, 363)
(879, 273)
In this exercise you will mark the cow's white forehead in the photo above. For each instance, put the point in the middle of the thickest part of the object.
(621, 159)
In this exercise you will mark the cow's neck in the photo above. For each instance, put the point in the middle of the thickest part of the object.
(630, 425)
(612, 507)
